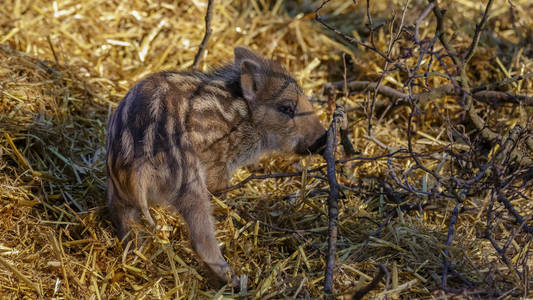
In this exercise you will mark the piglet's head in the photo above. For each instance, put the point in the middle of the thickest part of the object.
(279, 108)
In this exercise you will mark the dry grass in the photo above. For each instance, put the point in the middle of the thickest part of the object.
(65, 64)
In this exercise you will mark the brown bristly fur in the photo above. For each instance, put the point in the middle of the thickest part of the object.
(178, 136)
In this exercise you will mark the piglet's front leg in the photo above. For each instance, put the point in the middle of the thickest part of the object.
(201, 230)
(195, 207)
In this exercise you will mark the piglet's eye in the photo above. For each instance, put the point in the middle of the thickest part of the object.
(287, 110)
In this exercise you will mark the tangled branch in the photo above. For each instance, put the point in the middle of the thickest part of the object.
(509, 161)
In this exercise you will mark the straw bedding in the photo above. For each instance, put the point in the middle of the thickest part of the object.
(64, 65)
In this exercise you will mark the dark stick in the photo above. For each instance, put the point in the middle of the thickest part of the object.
(370, 24)
(453, 220)
(372, 285)
(346, 143)
(274, 227)
(333, 209)
(344, 133)
(208, 32)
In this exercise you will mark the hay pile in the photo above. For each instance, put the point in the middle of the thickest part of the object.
(65, 65)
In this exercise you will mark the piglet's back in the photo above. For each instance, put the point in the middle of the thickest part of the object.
(172, 115)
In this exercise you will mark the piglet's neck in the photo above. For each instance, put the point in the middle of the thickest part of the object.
(221, 127)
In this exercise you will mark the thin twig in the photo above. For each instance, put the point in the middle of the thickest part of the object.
(488, 235)
(494, 85)
(382, 271)
(208, 31)
(477, 34)
(254, 176)
(421, 17)
(274, 227)
(519, 219)
(439, 14)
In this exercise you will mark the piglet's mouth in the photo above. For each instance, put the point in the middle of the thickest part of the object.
(317, 147)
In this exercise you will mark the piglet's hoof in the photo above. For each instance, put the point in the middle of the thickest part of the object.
(234, 282)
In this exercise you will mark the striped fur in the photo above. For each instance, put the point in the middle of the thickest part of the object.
(177, 136)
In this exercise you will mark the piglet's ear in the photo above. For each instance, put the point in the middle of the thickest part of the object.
(242, 53)
(252, 79)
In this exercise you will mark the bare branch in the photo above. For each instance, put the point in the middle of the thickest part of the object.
(520, 220)
(496, 98)
(439, 14)
(491, 97)
(506, 81)
(352, 40)
(421, 17)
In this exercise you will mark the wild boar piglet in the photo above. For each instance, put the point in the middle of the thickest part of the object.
(176, 137)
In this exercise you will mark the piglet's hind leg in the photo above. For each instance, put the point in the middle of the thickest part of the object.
(121, 214)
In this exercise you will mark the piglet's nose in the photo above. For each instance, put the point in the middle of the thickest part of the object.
(319, 145)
